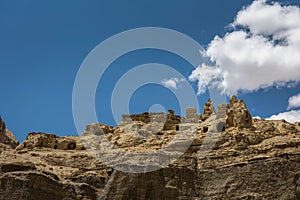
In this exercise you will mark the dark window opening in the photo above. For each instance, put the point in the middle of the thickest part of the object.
(205, 129)
(246, 121)
(55, 146)
(159, 133)
(71, 146)
(177, 128)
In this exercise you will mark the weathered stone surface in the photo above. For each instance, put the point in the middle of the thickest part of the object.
(274, 178)
(35, 185)
(191, 115)
(238, 114)
(222, 111)
(6, 136)
(238, 162)
(17, 166)
(208, 110)
(147, 124)
(2, 126)
(4, 147)
(43, 140)
(232, 101)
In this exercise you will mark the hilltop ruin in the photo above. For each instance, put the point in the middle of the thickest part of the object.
(249, 159)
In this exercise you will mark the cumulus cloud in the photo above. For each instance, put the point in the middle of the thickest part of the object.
(172, 83)
(290, 116)
(213, 77)
(294, 101)
(263, 50)
(256, 117)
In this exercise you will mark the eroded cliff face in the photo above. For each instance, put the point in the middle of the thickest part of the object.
(7, 138)
(238, 114)
(249, 159)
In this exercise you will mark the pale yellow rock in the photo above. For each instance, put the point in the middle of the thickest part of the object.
(6, 136)
(256, 160)
(238, 114)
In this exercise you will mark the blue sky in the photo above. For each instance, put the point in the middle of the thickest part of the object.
(43, 44)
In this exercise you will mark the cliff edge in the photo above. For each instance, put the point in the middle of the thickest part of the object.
(248, 159)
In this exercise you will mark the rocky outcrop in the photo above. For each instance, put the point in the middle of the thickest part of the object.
(208, 110)
(169, 120)
(6, 136)
(42, 140)
(260, 161)
(172, 121)
(146, 124)
(35, 185)
(269, 178)
(238, 114)
(2, 127)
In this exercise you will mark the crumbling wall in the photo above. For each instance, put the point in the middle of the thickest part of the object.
(208, 110)
(191, 115)
(238, 114)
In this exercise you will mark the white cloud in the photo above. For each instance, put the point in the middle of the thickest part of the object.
(256, 117)
(262, 51)
(262, 18)
(206, 76)
(294, 101)
(172, 83)
(290, 116)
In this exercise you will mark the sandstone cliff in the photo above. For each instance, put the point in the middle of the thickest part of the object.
(249, 159)
(7, 138)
